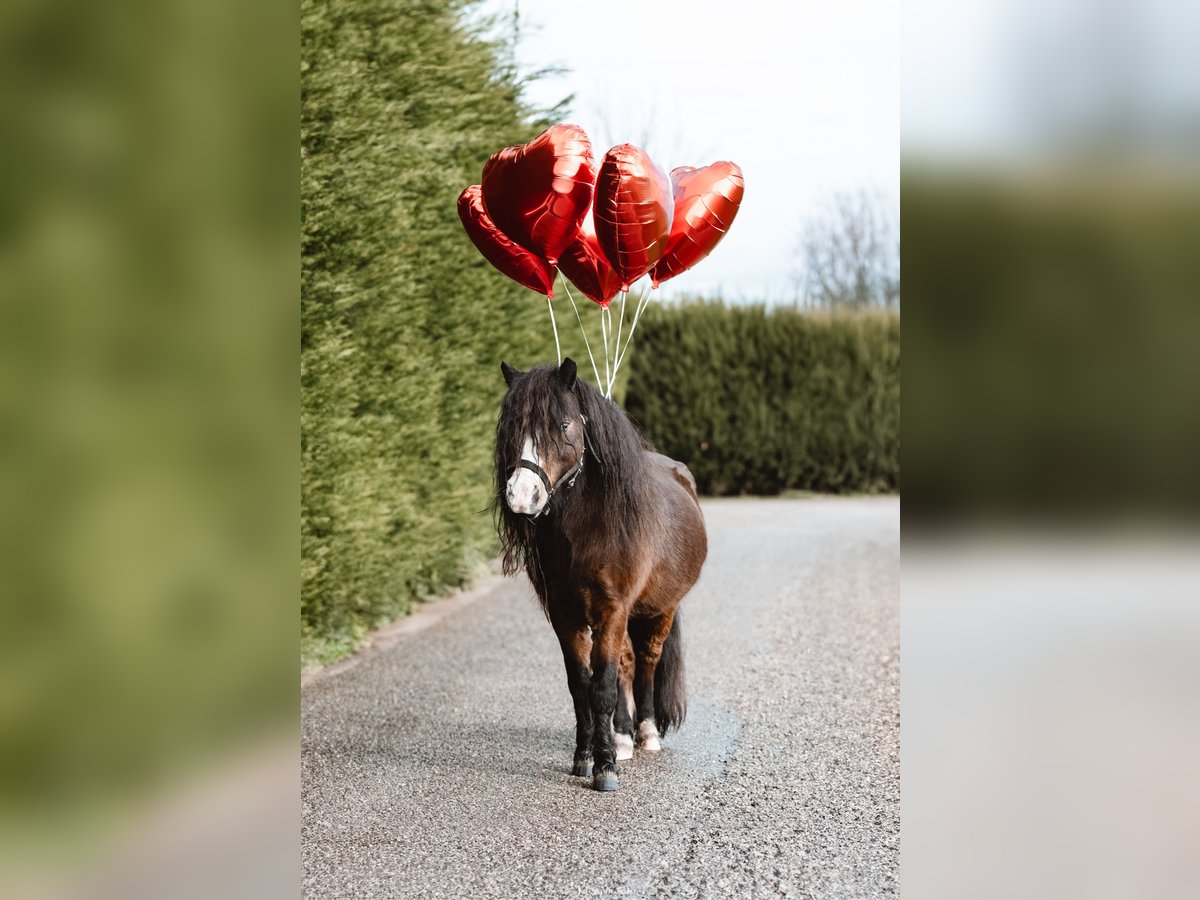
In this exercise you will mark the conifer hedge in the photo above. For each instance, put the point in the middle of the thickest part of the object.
(758, 401)
(403, 322)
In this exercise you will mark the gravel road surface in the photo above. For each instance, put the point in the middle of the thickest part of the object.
(438, 763)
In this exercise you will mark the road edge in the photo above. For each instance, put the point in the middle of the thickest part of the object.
(423, 616)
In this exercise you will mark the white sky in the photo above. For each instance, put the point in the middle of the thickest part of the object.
(805, 97)
(1009, 80)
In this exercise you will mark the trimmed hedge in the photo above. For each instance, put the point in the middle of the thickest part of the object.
(758, 401)
(403, 322)
(1065, 389)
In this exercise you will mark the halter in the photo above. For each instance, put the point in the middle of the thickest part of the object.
(568, 476)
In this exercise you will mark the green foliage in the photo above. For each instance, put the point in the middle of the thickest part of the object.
(403, 322)
(761, 401)
(1064, 303)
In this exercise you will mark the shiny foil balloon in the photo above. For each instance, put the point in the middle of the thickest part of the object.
(537, 193)
(587, 267)
(513, 260)
(706, 201)
(633, 205)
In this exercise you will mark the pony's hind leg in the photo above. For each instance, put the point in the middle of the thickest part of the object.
(648, 738)
(623, 716)
(649, 636)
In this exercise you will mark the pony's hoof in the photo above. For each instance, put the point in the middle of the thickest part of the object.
(582, 767)
(605, 781)
(647, 737)
(623, 744)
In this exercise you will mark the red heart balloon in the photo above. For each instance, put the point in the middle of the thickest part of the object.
(537, 193)
(514, 261)
(584, 263)
(706, 201)
(633, 206)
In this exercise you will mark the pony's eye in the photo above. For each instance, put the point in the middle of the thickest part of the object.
(565, 426)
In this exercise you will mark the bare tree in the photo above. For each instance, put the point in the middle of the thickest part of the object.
(611, 121)
(850, 254)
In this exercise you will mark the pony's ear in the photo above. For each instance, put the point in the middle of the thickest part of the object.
(566, 373)
(509, 373)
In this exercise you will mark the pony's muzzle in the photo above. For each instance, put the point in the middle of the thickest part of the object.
(525, 493)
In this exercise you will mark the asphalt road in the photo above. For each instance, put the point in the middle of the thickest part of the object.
(439, 766)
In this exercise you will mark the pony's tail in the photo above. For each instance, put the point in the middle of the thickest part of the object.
(670, 683)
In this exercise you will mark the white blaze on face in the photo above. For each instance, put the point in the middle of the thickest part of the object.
(526, 493)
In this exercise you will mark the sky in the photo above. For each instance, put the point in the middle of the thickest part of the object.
(805, 97)
(1011, 80)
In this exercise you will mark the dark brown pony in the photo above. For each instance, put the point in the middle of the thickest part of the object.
(611, 535)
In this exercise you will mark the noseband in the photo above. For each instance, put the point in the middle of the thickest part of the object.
(568, 476)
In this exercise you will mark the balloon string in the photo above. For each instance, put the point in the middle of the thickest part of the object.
(557, 348)
(612, 382)
(608, 320)
(620, 324)
(643, 302)
(582, 331)
(613, 377)
(604, 336)
(613, 374)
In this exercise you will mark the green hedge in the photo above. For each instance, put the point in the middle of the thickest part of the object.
(759, 401)
(403, 322)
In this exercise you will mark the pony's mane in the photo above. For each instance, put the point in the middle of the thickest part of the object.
(605, 506)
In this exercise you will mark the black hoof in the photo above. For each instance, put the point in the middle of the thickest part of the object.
(605, 781)
(582, 767)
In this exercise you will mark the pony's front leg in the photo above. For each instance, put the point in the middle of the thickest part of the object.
(608, 640)
(576, 643)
